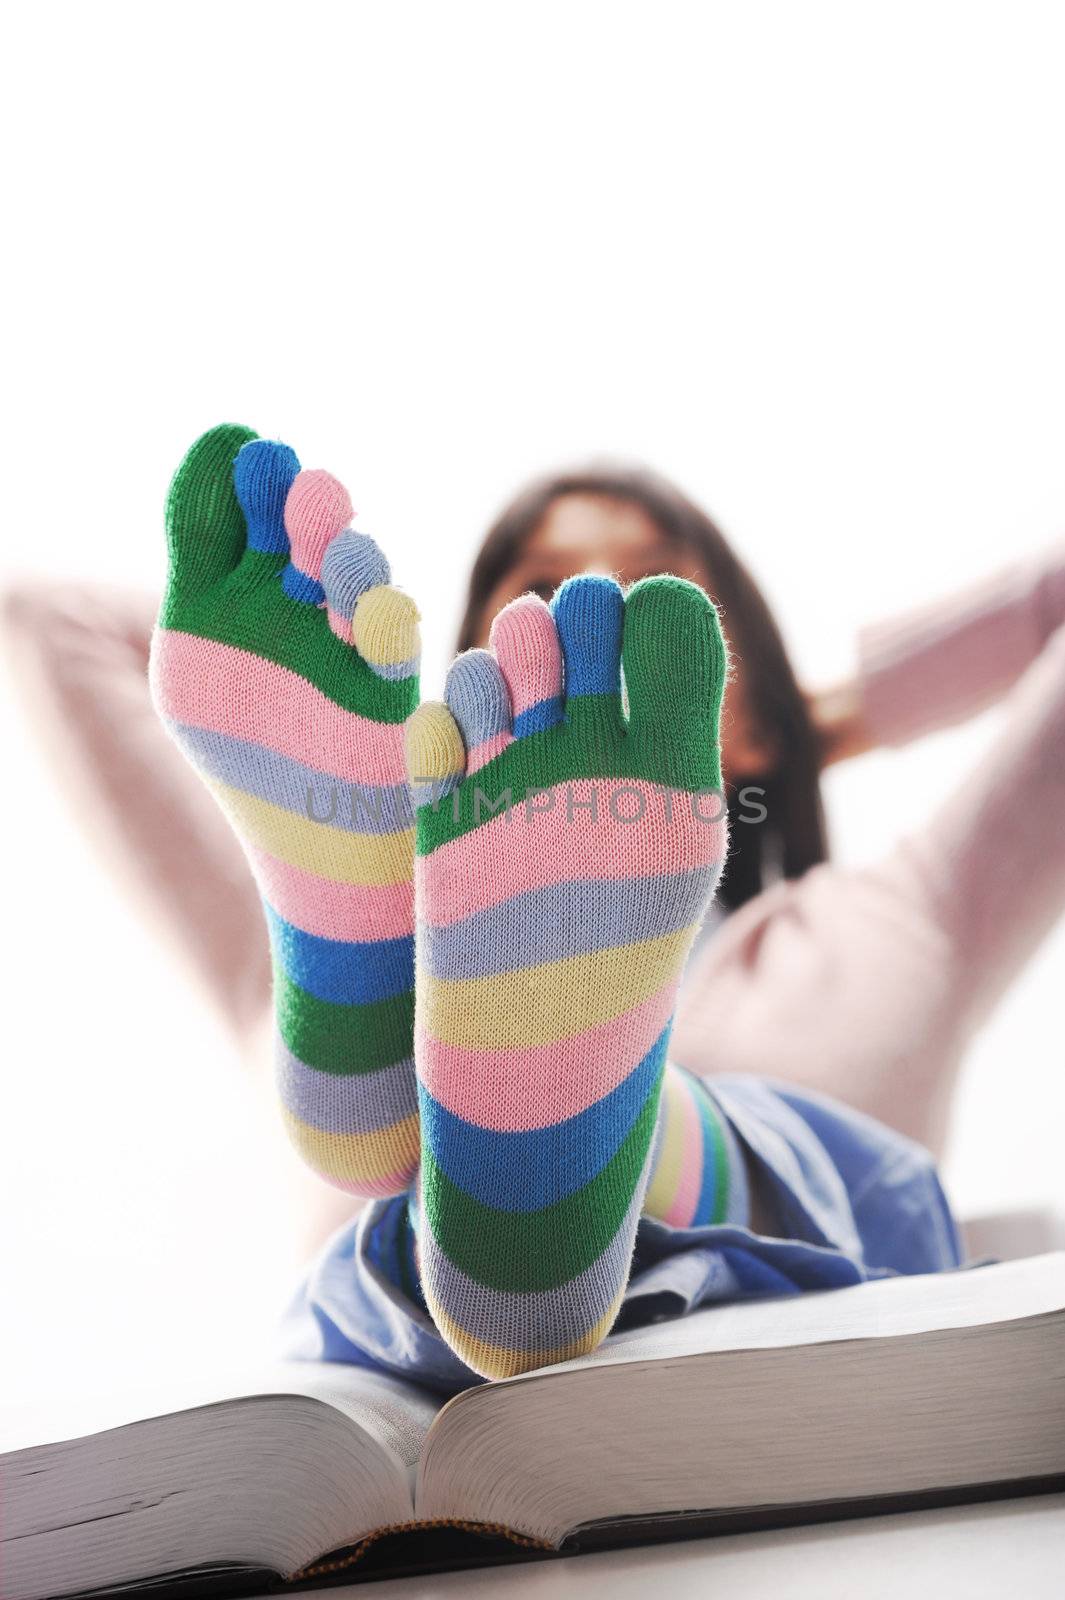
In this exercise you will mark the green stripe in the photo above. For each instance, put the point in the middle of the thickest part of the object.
(592, 744)
(344, 1040)
(522, 1252)
(721, 1169)
(250, 610)
(711, 1120)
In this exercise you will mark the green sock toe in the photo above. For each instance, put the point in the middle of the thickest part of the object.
(675, 665)
(205, 530)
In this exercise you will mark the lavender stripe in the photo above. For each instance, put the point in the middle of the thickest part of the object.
(354, 808)
(362, 1103)
(436, 791)
(395, 671)
(564, 919)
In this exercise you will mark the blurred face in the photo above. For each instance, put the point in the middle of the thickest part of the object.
(594, 533)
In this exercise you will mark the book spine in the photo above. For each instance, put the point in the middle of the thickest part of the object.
(482, 1530)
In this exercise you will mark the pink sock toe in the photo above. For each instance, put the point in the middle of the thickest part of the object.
(317, 509)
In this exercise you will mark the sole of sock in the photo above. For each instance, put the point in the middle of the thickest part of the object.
(567, 847)
(284, 666)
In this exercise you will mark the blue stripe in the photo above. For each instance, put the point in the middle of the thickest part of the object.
(524, 1171)
(562, 920)
(353, 807)
(704, 1211)
(536, 719)
(300, 586)
(344, 974)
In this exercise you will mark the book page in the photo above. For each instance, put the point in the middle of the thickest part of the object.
(890, 1307)
(898, 1386)
(304, 1459)
(396, 1414)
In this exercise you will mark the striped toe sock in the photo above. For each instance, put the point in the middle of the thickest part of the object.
(285, 666)
(697, 1172)
(566, 852)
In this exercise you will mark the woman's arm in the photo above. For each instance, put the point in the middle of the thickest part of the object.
(80, 656)
(866, 984)
(943, 663)
(991, 860)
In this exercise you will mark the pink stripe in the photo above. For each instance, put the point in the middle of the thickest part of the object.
(532, 1086)
(349, 911)
(227, 690)
(551, 846)
(487, 751)
(682, 1207)
(341, 626)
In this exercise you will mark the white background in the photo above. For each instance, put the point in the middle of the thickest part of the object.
(809, 260)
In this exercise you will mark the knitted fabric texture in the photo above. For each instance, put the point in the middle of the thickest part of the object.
(285, 665)
(697, 1172)
(566, 853)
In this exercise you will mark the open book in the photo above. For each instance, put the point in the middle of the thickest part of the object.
(902, 1392)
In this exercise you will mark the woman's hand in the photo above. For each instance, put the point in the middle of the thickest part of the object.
(839, 720)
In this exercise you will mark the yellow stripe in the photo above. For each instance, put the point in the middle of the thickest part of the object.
(372, 859)
(539, 1005)
(663, 1185)
(495, 1361)
(356, 1157)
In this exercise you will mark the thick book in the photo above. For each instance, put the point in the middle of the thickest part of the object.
(901, 1392)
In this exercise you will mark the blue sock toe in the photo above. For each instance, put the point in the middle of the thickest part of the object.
(588, 613)
(262, 476)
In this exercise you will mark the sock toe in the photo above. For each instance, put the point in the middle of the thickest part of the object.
(263, 474)
(205, 529)
(317, 509)
(588, 613)
(675, 666)
(385, 632)
(477, 696)
(525, 643)
(352, 564)
(435, 754)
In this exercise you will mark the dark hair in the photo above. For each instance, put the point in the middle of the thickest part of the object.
(792, 838)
